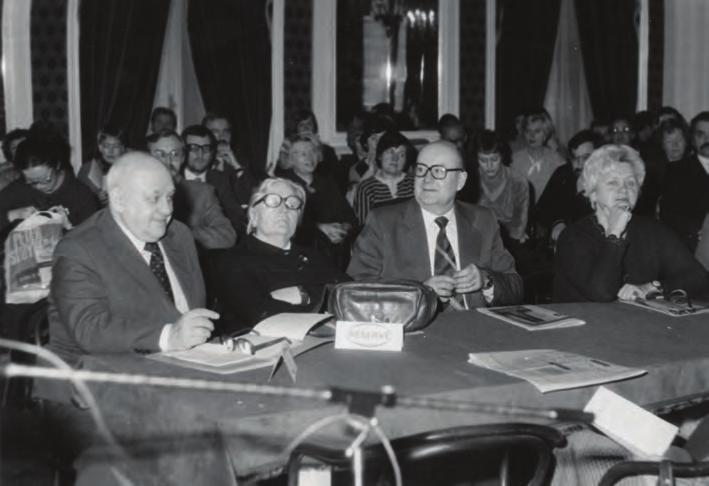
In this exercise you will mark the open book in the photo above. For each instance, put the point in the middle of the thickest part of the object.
(260, 348)
(531, 317)
(551, 370)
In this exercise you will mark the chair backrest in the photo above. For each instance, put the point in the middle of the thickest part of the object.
(666, 471)
(522, 454)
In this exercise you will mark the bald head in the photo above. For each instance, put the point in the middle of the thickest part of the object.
(140, 191)
(435, 191)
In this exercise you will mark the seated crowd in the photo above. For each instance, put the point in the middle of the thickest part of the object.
(179, 238)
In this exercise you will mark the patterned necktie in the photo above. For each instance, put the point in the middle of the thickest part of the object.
(444, 262)
(157, 266)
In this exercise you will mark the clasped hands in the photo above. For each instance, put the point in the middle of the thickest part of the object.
(466, 280)
(632, 292)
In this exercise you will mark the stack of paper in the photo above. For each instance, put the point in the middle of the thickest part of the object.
(531, 317)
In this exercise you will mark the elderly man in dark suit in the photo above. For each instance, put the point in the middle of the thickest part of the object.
(685, 198)
(453, 247)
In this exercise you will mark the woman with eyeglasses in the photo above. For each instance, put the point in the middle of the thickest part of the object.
(614, 253)
(267, 273)
(47, 181)
(110, 144)
(390, 183)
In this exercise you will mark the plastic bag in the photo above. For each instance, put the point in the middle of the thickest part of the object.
(28, 255)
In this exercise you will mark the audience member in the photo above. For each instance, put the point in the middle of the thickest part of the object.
(390, 182)
(163, 119)
(374, 127)
(110, 144)
(220, 126)
(685, 196)
(47, 181)
(621, 132)
(194, 203)
(669, 112)
(453, 247)
(450, 128)
(601, 128)
(563, 201)
(501, 190)
(537, 161)
(201, 146)
(328, 220)
(8, 171)
(267, 272)
(126, 280)
(613, 253)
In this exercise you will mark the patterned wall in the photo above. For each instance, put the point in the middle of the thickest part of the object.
(297, 55)
(472, 64)
(49, 70)
(655, 62)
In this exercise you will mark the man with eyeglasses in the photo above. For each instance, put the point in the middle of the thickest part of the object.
(453, 247)
(200, 151)
(194, 203)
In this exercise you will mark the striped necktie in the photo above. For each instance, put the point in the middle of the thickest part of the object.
(444, 262)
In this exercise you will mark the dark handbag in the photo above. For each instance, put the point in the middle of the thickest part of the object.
(397, 301)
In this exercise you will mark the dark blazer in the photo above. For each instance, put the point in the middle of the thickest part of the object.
(685, 199)
(104, 298)
(393, 245)
(196, 205)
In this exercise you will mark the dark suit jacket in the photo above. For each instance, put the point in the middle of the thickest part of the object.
(196, 205)
(104, 298)
(685, 199)
(393, 245)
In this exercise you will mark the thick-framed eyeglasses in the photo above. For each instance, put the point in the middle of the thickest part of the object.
(274, 200)
(437, 171)
(172, 155)
(196, 148)
(621, 130)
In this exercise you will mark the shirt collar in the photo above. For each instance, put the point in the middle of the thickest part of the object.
(135, 241)
(191, 176)
(429, 218)
(705, 162)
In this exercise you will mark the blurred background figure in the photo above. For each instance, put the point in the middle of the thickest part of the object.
(110, 144)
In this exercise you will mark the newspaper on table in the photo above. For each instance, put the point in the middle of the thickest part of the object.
(531, 317)
(552, 370)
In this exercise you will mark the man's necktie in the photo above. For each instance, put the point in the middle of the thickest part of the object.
(444, 262)
(157, 266)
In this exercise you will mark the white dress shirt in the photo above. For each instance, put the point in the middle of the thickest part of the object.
(191, 176)
(177, 292)
(705, 162)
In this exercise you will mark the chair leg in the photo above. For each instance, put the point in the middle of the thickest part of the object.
(505, 469)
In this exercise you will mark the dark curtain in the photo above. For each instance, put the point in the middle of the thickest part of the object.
(525, 49)
(120, 49)
(350, 54)
(231, 49)
(609, 45)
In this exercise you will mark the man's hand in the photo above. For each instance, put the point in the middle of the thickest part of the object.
(192, 328)
(443, 285)
(632, 292)
(468, 279)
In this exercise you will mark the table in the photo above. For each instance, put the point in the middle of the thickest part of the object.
(199, 427)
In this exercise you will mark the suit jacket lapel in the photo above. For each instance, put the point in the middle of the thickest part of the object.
(118, 244)
(414, 234)
(469, 239)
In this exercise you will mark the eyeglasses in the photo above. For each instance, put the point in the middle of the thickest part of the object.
(621, 130)
(196, 148)
(437, 171)
(172, 155)
(112, 146)
(274, 200)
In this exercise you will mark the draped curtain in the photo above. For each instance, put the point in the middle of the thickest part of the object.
(120, 48)
(232, 56)
(686, 60)
(567, 99)
(525, 49)
(609, 43)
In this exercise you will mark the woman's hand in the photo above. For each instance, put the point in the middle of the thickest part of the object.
(290, 295)
(335, 232)
(632, 292)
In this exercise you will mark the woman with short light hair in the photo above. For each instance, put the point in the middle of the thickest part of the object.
(614, 253)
